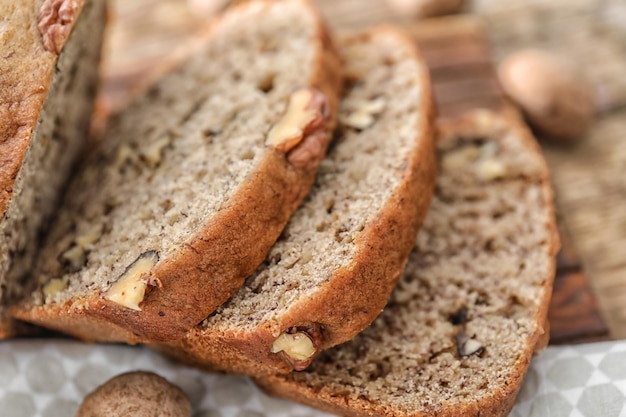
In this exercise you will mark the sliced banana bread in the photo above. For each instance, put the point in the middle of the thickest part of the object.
(194, 181)
(337, 261)
(48, 73)
(459, 331)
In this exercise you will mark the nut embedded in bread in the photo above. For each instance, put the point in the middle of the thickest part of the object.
(196, 171)
(339, 257)
(458, 333)
(48, 74)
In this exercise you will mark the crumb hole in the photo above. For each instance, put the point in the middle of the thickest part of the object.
(266, 84)
(247, 154)
(166, 205)
(330, 205)
(200, 175)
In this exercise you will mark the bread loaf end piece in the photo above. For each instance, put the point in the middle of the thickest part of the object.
(48, 75)
(194, 181)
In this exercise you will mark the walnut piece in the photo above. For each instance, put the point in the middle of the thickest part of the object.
(301, 115)
(54, 286)
(55, 22)
(363, 114)
(76, 256)
(467, 346)
(298, 346)
(154, 153)
(470, 347)
(491, 169)
(130, 288)
(458, 158)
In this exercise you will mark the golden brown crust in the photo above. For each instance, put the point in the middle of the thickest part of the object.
(502, 400)
(26, 70)
(213, 265)
(20, 103)
(357, 292)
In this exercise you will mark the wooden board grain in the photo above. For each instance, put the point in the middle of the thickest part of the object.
(462, 70)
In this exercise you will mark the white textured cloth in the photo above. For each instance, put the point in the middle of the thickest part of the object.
(49, 378)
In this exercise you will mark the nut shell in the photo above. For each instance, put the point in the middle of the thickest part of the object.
(137, 394)
(555, 98)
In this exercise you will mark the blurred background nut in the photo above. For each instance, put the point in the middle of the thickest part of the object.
(137, 394)
(556, 100)
(425, 8)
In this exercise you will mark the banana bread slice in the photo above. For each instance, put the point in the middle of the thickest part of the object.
(341, 254)
(48, 74)
(459, 331)
(193, 182)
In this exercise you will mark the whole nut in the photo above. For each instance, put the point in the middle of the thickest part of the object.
(425, 8)
(130, 288)
(137, 394)
(555, 98)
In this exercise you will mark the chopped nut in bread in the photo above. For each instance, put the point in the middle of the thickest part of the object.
(297, 346)
(299, 116)
(54, 286)
(491, 169)
(153, 153)
(75, 257)
(364, 114)
(130, 288)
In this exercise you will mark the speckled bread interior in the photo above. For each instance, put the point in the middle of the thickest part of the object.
(185, 176)
(46, 100)
(458, 333)
(335, 264)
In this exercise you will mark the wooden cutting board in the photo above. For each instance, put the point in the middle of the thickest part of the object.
(463, 77)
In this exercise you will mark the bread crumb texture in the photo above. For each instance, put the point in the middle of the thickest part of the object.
(461, 325)
(364, 166)
(45, 104)
(175, 157)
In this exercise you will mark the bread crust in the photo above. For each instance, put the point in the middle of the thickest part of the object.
(357, 291)
(206, 270)
(501, 401)
(34, 39)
